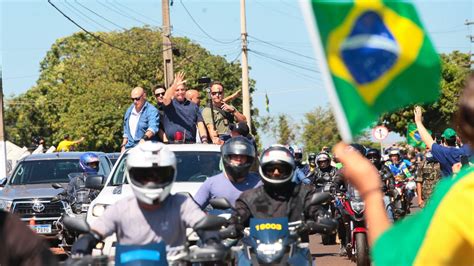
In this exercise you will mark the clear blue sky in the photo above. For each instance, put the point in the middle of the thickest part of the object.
(28, 28)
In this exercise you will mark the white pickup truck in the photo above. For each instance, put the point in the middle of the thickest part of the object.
(195, 163)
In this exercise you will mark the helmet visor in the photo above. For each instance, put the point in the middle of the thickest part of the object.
(94, 165)
(152, 177)
(277, 171)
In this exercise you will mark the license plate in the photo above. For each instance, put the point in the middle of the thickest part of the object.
(41, 228)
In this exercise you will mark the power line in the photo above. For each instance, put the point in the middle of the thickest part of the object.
(100, 39)
(139, 14)
(284, 62)
(118, 11)
(100, 16)
(202, 30)
(82, 15)
(237, 57)
(305, 76)
(281, 48)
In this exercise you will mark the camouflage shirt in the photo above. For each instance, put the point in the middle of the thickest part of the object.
(428, 173)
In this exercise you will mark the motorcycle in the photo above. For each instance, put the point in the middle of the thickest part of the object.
(275, 240)
(156, 253)
(353, 212)
(76, 207)
(330, 209)
(405, 193)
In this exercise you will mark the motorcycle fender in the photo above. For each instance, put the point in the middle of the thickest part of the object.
(300, 257)
(242, 259)
(356, 231)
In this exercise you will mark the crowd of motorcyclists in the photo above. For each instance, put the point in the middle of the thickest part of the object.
(277, 184)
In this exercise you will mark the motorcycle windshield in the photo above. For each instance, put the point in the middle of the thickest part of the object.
(269, 230)
(353, 193)
(151, 254)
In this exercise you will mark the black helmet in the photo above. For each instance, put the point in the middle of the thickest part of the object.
(360, 148)
(374, 156)
(312, 158)
(238, 145)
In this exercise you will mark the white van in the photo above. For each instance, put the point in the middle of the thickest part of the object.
(195, 163)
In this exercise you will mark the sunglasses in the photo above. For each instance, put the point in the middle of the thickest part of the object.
(137, 98)
(159, 94)
(214, 93)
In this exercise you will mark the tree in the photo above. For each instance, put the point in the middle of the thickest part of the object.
(84, 85)
(438, 115)
(280, 128)
(319, 129)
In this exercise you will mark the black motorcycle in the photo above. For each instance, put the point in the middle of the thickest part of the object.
(74, 207)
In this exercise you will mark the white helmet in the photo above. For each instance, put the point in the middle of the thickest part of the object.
(151, 171)
(280, 157)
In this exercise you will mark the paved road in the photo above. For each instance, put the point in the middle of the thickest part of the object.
(327, 255)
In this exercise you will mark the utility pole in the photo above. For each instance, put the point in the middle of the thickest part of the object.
(167, 46)
(245, 66)
(3, 144)
(471, 38)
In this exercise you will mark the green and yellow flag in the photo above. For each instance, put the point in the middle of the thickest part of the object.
(375, 57)
(413, 137)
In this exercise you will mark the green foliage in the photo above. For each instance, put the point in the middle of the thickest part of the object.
(438, 115)
(319, 130)
(84, 85)
(280, 128)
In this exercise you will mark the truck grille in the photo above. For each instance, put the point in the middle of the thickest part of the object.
(47, 209)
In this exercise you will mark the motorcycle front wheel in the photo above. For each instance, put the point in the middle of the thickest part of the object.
(362, 250)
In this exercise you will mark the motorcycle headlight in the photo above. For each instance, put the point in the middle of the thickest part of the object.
(269, 249)
(6, 205)
(98, 209)
(358, 206)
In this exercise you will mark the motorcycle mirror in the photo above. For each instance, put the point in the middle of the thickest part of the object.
(55, 199)
(220, 203)
(57, 186)
(78, 225)
(320, 198)
(204, 80)
(95, 181)
(210, 222)
(323, 226)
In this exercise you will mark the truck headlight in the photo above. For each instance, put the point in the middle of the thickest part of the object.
(98, 209)
(6, 205)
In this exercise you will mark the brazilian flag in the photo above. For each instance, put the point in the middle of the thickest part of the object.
(375, 57)
(413, 136)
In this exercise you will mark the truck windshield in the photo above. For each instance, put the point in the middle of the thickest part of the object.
(193, 166)
(44, 171)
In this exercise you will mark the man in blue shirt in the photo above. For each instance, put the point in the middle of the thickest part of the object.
(448, 154)
(180, 115)
(140, 121)
(238, 155)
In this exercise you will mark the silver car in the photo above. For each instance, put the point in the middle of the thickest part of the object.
(28, 192)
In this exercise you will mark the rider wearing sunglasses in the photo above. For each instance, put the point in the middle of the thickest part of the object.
(279, 196)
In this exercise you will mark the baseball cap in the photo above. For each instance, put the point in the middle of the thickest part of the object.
(448, 133)
(241, 128)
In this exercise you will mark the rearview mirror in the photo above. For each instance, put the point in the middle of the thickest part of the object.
(3, 181)
(220, 203)
(210, 222)
(76, 224)
(95, 181)
(322, 226)
(320, 198)
(57, 186)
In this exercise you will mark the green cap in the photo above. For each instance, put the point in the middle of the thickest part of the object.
(449, 133)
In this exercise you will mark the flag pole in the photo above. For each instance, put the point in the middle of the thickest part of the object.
(310, 19)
